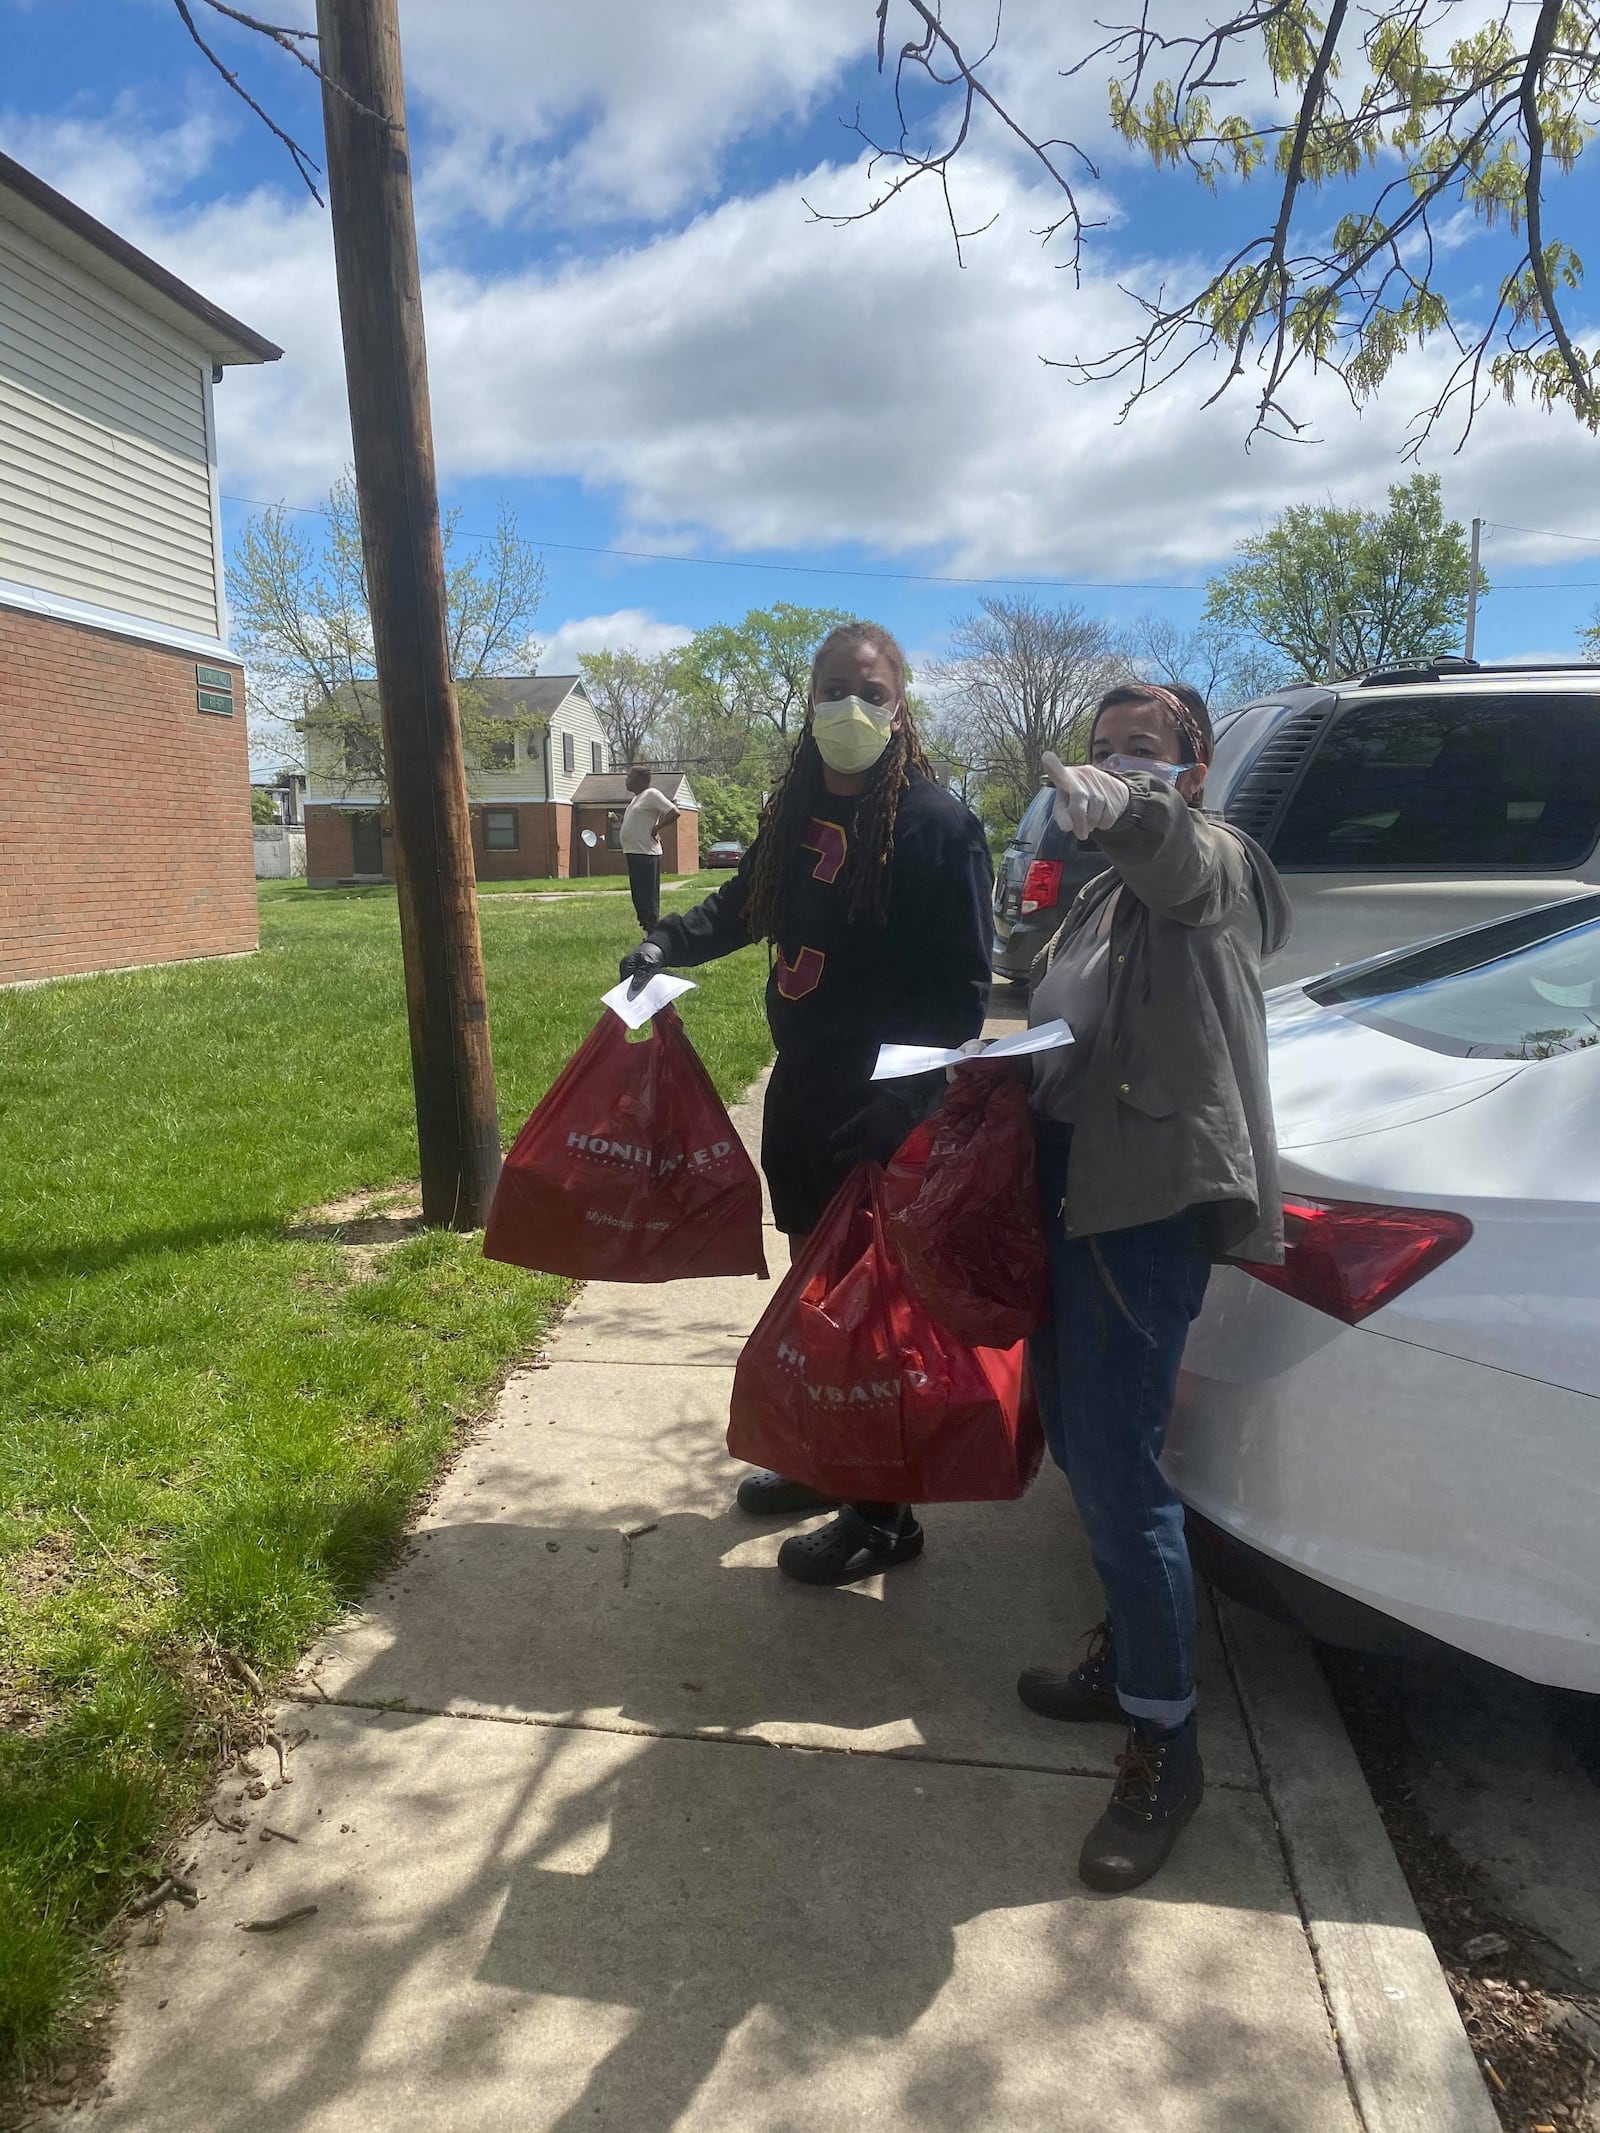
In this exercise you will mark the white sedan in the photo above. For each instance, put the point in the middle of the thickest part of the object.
(1402, 1425)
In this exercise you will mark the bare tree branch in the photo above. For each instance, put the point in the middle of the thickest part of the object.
(303, 162)
(924, 52)
(290, 40)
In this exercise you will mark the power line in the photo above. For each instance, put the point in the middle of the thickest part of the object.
(921, 577)
(1543, 533)
(812, 570)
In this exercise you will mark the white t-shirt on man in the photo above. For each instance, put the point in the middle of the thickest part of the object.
(642, 819)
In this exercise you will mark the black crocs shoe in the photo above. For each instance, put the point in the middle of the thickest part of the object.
(1159, 1785)
(765, 1494)
(848, 1547)
(1089, 1691)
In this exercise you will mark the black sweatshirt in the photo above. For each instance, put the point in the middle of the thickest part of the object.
(840, 987)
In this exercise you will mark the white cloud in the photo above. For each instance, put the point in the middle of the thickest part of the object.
(628, 629)
(762, 382)
(626, 108)
(772, 385)
(114, 164)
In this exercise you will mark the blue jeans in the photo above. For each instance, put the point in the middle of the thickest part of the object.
(1106, 1365)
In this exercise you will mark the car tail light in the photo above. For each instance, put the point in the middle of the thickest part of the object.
(1348, 1258)
(1042, 887)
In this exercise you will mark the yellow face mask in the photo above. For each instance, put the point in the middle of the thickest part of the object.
(851, 735)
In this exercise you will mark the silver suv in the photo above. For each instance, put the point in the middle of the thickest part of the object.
(1416, 800)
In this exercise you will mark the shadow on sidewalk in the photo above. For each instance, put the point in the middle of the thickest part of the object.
(689, 1628)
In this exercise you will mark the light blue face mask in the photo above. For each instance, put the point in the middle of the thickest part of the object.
(1122, 766)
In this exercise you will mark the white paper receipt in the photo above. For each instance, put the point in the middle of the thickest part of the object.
(896, 1060)
(649, 1001)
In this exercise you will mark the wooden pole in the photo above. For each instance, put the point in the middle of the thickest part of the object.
(386, 371)
(1472, 590)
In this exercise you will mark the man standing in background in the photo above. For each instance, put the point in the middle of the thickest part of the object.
(647, 810)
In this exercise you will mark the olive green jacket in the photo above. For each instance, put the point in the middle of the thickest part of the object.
(1174, 1109)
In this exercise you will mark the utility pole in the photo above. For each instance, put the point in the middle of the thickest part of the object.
(1472, 588)
(386, 371)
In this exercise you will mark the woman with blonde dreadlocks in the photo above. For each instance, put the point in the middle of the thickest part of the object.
(872, 884)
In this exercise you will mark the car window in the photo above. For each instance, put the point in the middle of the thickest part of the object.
(1474, 783)
(1525, 988)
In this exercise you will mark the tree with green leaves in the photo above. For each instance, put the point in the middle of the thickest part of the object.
(303, 622)
(755, 674)
(1333, 589)
(1589, 636)
(632, 695)
(1375, 133)
(726, 810)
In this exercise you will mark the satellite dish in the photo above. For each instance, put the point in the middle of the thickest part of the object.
(590, 839)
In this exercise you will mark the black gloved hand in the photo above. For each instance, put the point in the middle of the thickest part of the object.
(640, 964)
(874, 1133)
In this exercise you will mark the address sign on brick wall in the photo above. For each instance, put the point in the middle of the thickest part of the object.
(213, 688)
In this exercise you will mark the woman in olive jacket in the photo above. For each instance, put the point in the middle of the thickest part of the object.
(1156, 1157)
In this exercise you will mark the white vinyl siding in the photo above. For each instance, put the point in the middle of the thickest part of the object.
(105, 480)
(577, 720)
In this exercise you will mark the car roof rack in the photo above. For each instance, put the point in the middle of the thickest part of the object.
(1442, 668)
(1541, 666)
(1418, 670)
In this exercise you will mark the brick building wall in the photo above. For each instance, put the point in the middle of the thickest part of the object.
(543, 850)
(327, 846)
(125, 831)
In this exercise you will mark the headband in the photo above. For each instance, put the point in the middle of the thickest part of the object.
(1187, 724)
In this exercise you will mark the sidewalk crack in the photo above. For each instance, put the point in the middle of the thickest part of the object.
(392, 1707)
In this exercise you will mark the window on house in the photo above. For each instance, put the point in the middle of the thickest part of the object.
(501, 754)
(499, 829)
(569, 754)
(363, 753)
(597, 760)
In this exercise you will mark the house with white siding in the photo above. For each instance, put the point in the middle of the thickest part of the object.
(520, 787)
(125, 831)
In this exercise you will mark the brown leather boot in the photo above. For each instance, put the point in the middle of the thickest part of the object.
(1159, 1785)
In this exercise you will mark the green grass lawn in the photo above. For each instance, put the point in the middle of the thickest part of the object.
(211, 1430)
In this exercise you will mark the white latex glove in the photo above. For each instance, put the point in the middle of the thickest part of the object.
(1086, 799)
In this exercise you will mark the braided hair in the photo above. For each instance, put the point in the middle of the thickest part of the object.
(865, 881)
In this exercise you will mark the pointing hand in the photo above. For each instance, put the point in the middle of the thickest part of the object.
(1086, 799)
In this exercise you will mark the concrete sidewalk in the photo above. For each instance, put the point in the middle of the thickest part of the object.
(608, 1826)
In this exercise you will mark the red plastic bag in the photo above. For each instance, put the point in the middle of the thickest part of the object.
(630, 1169)
(849, 1385)
(965, 1223)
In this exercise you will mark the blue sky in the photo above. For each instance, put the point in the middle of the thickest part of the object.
(640, 337)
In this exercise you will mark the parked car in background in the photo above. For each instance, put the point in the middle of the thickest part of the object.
(1407, 803)
(1035, 878)
(1416, 800)
(1398, 1431)
(726, 852)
